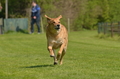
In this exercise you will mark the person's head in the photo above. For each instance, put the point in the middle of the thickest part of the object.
(34, 3)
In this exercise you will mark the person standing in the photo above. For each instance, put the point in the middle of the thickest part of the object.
(35, 17)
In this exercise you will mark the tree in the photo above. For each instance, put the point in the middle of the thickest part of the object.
(0, 7)
(82, 13)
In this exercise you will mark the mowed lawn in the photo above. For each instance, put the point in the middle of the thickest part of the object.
(24, 56)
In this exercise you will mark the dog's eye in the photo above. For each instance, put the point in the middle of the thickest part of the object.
(53, 22)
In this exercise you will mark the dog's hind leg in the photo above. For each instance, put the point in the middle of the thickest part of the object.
(61, 59)
(60, 52)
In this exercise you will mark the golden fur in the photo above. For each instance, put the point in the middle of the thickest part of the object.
(57, 37)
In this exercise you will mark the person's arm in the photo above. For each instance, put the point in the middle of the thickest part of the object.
(32, 12)
(37, 13)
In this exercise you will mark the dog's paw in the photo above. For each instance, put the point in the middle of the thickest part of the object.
(51, 55)
(55, 63)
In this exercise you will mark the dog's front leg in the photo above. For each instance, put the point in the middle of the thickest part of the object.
(55, 59)
(51, 51)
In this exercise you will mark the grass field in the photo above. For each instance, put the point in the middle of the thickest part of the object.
(24, 56)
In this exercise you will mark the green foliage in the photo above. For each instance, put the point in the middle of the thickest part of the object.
(82, 13)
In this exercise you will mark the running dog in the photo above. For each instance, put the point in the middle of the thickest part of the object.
(57, 37)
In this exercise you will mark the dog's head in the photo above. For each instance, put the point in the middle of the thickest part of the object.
(54, 22)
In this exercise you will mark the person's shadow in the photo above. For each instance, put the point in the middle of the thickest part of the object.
(18, 29)
(38, 66)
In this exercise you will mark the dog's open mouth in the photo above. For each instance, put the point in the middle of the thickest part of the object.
(57, 28)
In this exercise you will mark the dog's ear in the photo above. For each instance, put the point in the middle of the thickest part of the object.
(48, 18)
(59, 17)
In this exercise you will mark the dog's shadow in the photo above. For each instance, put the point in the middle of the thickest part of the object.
(38, 66)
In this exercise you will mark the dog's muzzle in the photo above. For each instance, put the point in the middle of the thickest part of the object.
(57, 27)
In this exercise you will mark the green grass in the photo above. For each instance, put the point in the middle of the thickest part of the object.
(24, 56)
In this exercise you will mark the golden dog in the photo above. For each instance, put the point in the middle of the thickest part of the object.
(57, 37)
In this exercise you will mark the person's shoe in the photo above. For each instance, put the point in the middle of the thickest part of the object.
(39, 33)
(31, 33)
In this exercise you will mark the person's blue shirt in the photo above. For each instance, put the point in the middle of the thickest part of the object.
(35, 11)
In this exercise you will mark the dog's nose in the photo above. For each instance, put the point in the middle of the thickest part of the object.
(58, 25)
